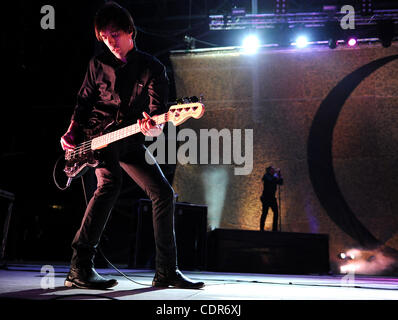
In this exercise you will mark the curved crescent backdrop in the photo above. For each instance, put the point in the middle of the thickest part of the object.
(327, 118)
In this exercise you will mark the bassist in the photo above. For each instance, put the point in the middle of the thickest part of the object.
(120, 86)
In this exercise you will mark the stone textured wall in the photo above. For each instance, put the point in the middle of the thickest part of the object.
(277, 93)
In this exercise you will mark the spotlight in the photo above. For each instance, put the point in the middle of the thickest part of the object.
(352, 42)
(346, 256)
(251, 44)
(189, 42)
(348, 268)
(367, 9)
(280, 6)
(301, 41)
(341, 256)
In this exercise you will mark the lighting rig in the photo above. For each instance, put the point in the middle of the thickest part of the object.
(334, 25)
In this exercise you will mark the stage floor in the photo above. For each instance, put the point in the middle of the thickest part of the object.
(41, 282)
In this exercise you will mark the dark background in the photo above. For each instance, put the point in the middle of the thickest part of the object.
(42, 72)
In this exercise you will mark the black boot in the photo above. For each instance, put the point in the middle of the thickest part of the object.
(87, 278)
(174, 278)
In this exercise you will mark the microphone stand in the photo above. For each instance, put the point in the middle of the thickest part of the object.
(279, 204)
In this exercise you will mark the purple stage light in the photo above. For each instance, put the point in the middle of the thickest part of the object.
(352, 42)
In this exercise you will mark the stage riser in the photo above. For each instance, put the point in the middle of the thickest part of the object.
(267, 252)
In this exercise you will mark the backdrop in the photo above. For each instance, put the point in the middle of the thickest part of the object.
(326, 118)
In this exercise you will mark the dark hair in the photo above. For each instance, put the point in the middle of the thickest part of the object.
(112, 14)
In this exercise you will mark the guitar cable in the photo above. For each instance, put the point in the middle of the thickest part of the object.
(55, 179)
(103, 255)
(86, 200)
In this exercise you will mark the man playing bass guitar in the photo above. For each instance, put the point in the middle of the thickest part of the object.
(121, 85)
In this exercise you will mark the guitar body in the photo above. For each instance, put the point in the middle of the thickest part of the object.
(77, 165)
(79, 160)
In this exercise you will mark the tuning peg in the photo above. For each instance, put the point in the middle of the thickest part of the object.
(187, 100)
(194, 99)
(180, 101)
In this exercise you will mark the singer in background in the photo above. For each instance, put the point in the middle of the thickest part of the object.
(271, 179)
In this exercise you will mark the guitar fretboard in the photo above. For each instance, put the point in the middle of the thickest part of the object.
(104, 140)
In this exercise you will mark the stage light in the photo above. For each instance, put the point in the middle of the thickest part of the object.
(367, 8)
(348, 268)
(251, 44)
(346, 256)
(352, 42)
(301, 41)
(189, 42)
(341, 255)
(280, 6)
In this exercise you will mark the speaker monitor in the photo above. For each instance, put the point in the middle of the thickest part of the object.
(190, 230)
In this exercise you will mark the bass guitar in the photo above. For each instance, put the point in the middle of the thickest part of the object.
(79, 159)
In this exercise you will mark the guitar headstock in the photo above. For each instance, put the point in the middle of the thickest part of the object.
(179, 113)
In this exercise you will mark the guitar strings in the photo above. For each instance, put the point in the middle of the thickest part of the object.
(82, 147)
(86, 145)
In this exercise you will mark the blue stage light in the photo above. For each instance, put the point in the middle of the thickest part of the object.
(301, 41)
(250, 44)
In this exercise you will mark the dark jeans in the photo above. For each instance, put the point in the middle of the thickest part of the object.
(269, 203)
(130, 158)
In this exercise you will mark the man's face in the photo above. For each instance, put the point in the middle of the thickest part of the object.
(118, 42)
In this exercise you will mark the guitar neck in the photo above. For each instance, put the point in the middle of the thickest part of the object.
(104, 140)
